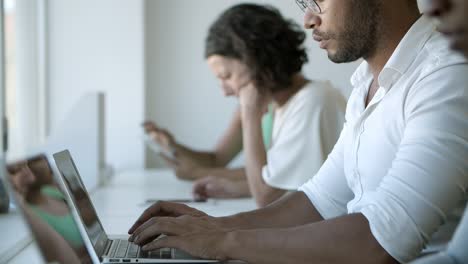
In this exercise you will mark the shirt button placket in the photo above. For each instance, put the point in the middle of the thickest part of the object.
(357, 176)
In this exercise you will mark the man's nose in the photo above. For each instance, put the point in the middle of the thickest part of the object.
(311, 20)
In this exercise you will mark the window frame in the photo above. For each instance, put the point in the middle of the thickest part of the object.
(31, 85)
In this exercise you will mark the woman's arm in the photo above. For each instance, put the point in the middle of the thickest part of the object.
(229, 145)
(189, 163)
(53, 246)
(252, 109)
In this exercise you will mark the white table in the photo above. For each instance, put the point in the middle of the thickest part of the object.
(15, 235)
(121, 201)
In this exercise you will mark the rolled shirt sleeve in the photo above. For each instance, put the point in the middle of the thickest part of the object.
(429, 174)
(328, 190)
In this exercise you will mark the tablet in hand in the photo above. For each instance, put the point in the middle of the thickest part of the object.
(158, 149)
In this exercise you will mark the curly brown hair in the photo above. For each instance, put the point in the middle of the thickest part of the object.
(261, 38)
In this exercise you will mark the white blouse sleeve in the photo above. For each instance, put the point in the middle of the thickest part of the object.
(429, 175)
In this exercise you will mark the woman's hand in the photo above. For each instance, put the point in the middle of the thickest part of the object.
(219, 187)
(161, 136)
(253, 101)
(184, 168)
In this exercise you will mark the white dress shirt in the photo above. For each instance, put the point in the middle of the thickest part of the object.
(457, 250)
(305, 129)
(403, 161)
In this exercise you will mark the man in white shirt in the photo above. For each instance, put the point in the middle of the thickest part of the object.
(397, 171)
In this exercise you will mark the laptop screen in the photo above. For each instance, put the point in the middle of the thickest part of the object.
(46, 210)
(81, 200)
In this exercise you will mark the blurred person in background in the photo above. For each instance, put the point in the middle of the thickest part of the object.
(257, 55)
(33, 181)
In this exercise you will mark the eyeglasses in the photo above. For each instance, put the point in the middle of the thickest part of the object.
(311, 4)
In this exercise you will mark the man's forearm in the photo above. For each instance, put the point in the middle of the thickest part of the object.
(291, 210)
(346, 239)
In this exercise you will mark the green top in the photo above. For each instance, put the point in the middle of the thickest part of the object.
(267, 127)
(64, 225)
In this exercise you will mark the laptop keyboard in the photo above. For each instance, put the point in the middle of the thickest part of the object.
(123, 249)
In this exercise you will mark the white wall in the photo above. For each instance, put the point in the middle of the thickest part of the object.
(84, 123)
(182, 95)
(99, 46)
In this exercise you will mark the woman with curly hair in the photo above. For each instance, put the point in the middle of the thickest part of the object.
(257, 55)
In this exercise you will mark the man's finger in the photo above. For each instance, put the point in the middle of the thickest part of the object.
(140, 229)
(160, 208)
(166, 242)
(150, 212)
(161, 226)
(163, 208)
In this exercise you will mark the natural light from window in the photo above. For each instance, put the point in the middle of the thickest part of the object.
(10, 63)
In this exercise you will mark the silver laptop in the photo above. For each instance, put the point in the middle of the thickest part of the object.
(56, 236)
(102, 248)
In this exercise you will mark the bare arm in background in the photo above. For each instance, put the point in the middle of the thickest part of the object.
(53, 246)
(253, 105)
(192, 164)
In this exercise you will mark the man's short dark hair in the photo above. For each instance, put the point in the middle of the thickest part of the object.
(261, 38)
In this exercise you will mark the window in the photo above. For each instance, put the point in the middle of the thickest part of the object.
(24, 75)
(10, 66)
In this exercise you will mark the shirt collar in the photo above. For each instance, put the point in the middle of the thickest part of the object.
(402, 58)
(361, 75)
